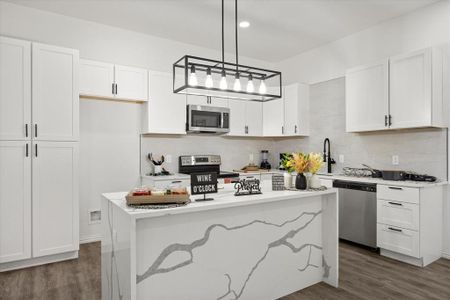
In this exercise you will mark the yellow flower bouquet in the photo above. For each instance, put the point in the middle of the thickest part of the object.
(300, 162)
(315, 162)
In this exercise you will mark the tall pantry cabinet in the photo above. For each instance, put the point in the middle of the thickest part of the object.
(39, 134)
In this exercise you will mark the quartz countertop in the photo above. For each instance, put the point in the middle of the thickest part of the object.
(223, 199)
(405, 183)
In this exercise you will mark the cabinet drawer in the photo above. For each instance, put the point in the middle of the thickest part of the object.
(162, 184)
(402, 194)
(399, 214)
(398, 240)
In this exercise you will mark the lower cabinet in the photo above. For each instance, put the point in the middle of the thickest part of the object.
(38, 200)
(409, 223)
(160, 183)
(55, 198)
(15, 201)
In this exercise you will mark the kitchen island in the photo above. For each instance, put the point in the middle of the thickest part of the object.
(248, 247)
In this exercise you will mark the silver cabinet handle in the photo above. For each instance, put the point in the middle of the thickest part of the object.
(112, 88)
(396, 188)
(35, 130)
(26, 130)
(395, 229)
(295, 129)
(35, 150)
(385, 120)
(176, 181)
(282, 129)
(395, 203)
(26, 150)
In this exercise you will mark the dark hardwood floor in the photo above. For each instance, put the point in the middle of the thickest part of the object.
(363, 275)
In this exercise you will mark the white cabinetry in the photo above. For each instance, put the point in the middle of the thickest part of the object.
(245, 118)
(208, 101)
(367, 97)
(409, 223)
(15, 200)
(15, 91)
(296, 109)
(404, 91)
(109, 81)
(55, 205)
(96, 79)
(55, 102)
(165, 112)
(288, 116)
(273, 117)
(38, 154)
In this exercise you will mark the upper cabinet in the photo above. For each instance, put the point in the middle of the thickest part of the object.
(404, 91)
(109, 81)
(288, 116)
(207, 101)
(367, 97)
(15, 89)
(96, 79)
(165, 112)
(55, 105)
(245, 118)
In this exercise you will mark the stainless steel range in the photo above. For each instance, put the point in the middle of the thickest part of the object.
(188, 164)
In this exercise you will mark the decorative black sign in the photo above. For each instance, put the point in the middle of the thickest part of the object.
(247, 187)
(203, 183)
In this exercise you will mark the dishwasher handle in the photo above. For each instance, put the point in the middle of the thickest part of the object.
(354, 185)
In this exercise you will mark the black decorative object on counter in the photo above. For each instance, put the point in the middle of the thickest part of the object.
(300, 182)
(247, 187)
(203, 183)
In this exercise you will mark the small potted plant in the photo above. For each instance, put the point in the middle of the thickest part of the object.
(286, 163)
(300, 163)
(315, 163)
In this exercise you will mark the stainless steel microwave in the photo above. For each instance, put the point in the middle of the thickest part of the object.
(207, 119)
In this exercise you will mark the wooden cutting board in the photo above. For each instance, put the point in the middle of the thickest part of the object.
(151, 199)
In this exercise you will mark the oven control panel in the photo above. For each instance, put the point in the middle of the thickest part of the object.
(199, 160)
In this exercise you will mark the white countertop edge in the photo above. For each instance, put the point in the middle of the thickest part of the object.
(175, 176)
(406, 183)
(221, 201)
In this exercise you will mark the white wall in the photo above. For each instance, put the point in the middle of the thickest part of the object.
(109, 130)
(422, 28)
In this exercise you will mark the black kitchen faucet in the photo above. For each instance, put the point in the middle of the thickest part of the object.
(327, 154)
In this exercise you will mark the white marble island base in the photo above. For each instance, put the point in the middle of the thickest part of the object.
(249, 247)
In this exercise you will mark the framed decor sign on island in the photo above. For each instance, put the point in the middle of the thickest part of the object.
(203, 183)
(261, 246)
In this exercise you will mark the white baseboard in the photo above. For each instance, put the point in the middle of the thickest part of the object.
(32, 262)
(446, 255)
(90, 239)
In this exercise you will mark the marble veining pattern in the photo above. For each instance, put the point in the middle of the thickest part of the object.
(283, 241)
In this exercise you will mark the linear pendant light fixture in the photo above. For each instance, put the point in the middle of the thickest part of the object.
(200, 76)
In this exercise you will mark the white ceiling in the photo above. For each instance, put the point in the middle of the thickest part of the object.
(279, 28)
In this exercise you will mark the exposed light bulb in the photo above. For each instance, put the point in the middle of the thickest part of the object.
(262, 87)
(209, 81)
(223, 82)
(237, 83)
(250, 86)
(193, 77)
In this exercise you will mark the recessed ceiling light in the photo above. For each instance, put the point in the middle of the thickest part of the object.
(244, 24)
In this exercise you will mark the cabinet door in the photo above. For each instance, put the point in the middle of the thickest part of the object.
(15, 89)
(165, 111)
(273, 117)
(96, 78)
(366, 101)
(410, 89)
(55, 93)
(55, 197)
(291, 107)
(303, 110)
(15, 201)
(132, 83)
(253, 118)
(203, 100)
(237, 118)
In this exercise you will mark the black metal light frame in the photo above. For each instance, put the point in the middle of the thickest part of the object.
(204, 65)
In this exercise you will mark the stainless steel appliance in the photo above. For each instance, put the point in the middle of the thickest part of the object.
(188, 164)
(207, 119)
(357, 212)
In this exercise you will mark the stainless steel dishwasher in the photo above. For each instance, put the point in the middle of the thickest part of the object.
(357, 212)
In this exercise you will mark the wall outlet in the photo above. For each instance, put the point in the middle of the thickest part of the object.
(95, 216)
(395, 160)
(168, 158)
(341, 158)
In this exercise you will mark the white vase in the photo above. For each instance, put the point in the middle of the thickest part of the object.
(293, 178)
(314, 182)
(158, 169)
(287, 180)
